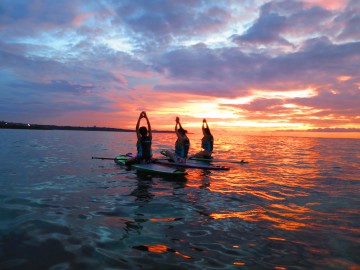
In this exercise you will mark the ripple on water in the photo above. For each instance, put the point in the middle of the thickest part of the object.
(293, 206)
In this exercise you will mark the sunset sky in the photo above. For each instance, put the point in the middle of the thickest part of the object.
(243, 65)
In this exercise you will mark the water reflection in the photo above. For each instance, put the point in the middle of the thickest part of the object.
(161, 249)
(141, 192)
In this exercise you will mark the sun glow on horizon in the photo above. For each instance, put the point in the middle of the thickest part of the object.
(301, 93)
(232, 114)
(198, 109)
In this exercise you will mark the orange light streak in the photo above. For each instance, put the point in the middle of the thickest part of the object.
(183, 255)
(239, 263)
(162, 219)
(276, 238)
(157, 248)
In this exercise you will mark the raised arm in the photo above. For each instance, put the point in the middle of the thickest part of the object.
(138, 125)
(205, 128)
(148, 124)
(204, 125)
(177, 127)
(176, 124)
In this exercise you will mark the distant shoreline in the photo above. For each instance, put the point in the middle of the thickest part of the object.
(11, 125)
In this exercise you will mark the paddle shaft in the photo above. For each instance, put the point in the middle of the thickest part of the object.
(104, 158)
(224, 160)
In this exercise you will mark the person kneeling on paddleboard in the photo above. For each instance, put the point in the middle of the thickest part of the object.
(207, 142)
(182, 144)
(143, 144)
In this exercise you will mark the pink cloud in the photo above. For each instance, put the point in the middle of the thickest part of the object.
(81, 18)
(328, 4)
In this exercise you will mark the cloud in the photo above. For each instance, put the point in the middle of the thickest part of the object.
(318, 62)
(198, 88)
(266, 30)
(157, 23)
(56, 86)
(350, 20)
(120, 55)
(333, 103)
(282, 22)
(97, 66)
(29, 18)
(263, 104)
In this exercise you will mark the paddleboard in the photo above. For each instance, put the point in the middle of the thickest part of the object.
(163, 152)
(150, 167)
(189, 164)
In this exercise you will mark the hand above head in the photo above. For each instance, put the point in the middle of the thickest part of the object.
(204, 120)
(177, 119)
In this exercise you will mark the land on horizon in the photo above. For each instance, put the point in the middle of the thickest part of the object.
(13, 125)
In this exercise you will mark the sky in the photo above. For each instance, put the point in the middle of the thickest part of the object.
(242, 65)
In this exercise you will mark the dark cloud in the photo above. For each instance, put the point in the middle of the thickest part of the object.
(279, 21)
(266, 30)
(157, 23)
(350, 19)
(41, 11)
(333, 103)
(96, 65)
(319, 62)
(56, 86)
(32, 101)
(26, 19)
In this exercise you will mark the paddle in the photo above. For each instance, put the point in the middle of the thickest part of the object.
(108, 158)
(220, 160)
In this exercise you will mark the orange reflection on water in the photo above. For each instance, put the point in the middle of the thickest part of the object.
(289, 219)
(294, 212)
(162, 219)
(266, 195)
(288, 225)
(157, 248)
(250, 215)
(162, 249)
(239, 263)
(182, 255)
(317, 250)
(291, 225)
(276, 238)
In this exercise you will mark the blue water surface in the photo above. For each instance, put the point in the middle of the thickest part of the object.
(295, 205)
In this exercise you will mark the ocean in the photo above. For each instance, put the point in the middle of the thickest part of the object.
(295, 205)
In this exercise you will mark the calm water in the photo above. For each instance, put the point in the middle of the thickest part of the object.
(294, 206)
